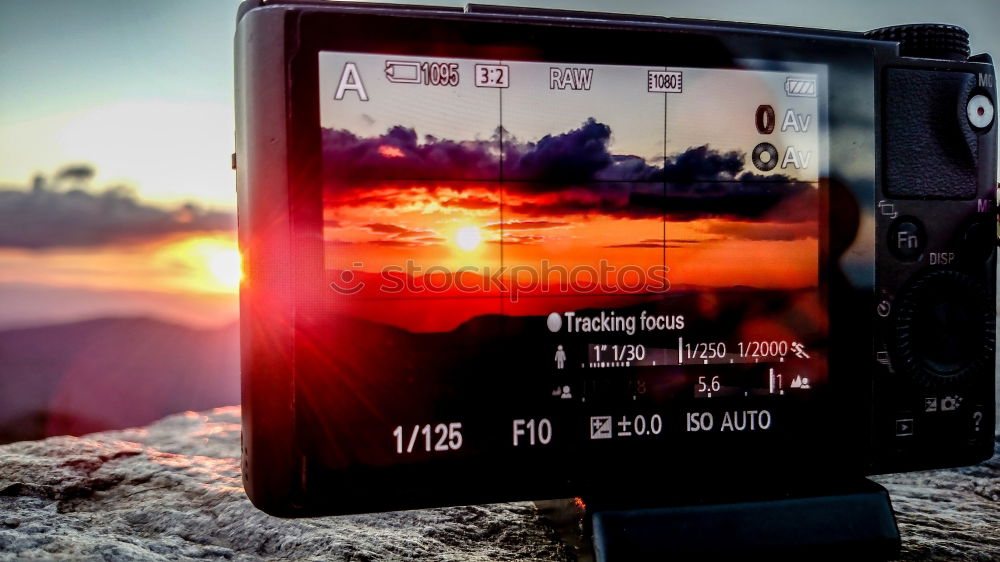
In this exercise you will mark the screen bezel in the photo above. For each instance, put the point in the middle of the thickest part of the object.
(828, 446)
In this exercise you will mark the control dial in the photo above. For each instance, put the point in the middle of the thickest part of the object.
(945, 328)
(926, 40)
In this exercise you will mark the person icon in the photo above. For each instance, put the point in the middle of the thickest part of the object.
(560, 357)
(566, 394)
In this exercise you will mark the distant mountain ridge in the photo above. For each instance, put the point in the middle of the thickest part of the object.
(111, 373)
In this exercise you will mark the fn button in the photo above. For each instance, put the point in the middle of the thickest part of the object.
(907, 238)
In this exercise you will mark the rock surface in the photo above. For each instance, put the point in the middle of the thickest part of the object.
(949, 514)
(172, 491)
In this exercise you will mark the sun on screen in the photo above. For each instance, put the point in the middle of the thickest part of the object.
(468, 238)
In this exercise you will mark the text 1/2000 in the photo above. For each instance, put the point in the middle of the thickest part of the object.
(749, 349)
(428, 437)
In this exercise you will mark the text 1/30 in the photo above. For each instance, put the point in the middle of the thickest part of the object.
(428, 437)
(626, 352)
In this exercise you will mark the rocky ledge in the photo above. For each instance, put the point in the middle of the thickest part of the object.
(172, 491)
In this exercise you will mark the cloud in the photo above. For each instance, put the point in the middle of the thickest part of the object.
(396, 237)
(582, 155)
(770, 231)
(358, 159)
(524, 225)
(751, 200)
(394, 243)
(43, 218)
(656, 243)
(394, 230)
(574, 156)
(570, 173)
(519, 239)
(701, 163)
(407, 242)
(647, 243)
(472, 202)
(399, 236)
(385, 228)
(388, 242)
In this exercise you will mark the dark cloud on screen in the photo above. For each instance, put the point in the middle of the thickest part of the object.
(524, 225)
(658, 243)
(42, 218)
(394, 230)
(519, 239)
(400, 236)
(394, 243)
(565, 174)
(472, 202)
(580, 155)
(763, 230)
(646, 243)
(355, 158)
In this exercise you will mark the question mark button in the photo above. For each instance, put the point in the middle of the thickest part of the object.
(977, 418)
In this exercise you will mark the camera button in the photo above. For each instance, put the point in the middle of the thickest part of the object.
(977, 242)
(980, 111)
(906, 238)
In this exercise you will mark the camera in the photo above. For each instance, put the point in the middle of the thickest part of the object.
(499, 254)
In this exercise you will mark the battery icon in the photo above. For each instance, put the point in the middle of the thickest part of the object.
(402, 72)
(800, 87)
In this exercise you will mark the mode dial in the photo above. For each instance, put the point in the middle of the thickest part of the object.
(926, 40)
(945, 328)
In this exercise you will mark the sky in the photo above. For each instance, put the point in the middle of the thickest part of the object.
(142, 92)
(143, 89)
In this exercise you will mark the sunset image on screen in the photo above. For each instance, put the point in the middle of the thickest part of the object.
(588, 203)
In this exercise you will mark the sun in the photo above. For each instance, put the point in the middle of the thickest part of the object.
(468, 238)
(211, 264)
(224, 265)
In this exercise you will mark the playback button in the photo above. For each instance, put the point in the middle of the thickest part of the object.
(904, 427)
(907, 238)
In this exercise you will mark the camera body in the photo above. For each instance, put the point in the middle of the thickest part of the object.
(500, 254)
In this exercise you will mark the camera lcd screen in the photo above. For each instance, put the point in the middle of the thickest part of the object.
(532, 258)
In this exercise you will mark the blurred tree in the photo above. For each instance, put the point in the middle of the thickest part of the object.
(78, 174)
(38, 183)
